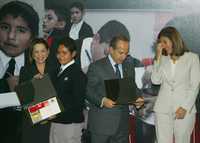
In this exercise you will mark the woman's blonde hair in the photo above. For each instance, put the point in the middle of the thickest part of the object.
(178, 45)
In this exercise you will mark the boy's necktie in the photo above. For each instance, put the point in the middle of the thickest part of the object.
(11, 68)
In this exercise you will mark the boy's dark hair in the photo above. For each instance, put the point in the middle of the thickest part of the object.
(69, 43)
(24, 10)
(60, 12)
(78, 5)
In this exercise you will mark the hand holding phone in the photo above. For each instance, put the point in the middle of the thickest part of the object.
(159, 50)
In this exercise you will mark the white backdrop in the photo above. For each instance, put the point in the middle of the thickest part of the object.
(142, 25)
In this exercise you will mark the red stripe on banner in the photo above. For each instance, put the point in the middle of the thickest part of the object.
(38, 106)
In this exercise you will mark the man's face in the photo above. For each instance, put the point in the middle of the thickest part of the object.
(99, 50)
(120, 52)
(76, 15)
(15, 35)
(50, 21)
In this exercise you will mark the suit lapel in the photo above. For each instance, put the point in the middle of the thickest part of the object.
(66, 71)
(181, 64)
(111, 73)
(82, 30)
(167, 68)
(178, 67)
(109, 69)
(125, 70)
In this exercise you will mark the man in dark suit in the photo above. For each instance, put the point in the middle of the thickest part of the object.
(19, 23)
(108, 122)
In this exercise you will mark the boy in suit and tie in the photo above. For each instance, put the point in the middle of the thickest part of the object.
(19, 24)
(70, 85)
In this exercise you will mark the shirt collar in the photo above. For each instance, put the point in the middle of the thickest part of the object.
(111, 60)
(19, 60)
(67, 65)
(77, 24)
(113, 63)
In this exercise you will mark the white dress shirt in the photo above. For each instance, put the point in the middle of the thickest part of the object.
(4, 62)
(63, 67)
(74, 31)
(173, 67)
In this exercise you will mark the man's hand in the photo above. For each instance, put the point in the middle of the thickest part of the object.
(108, 103)
(180, 113)
(12, 82)
(139, 102)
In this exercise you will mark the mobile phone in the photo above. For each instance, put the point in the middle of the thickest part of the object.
(164, 52)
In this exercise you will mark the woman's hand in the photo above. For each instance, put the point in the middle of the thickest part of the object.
(139, 102)
(159, 49)
(38, 76)
(180, 113)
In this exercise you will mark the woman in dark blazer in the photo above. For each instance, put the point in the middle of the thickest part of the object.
(77, 28)
(70, 85)
(39, 52)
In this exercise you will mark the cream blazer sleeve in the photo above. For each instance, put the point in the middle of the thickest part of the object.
(194, 84)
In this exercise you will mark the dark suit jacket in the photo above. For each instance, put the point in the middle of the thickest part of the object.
(27, 73)
(85, 31)
(10, 120)
(70, 87)
(103, 120)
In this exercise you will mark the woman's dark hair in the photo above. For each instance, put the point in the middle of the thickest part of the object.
(24, 10)
(78, 5)
(33, 43)
(178, 45)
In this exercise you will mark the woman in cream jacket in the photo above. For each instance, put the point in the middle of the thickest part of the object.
(177, 70)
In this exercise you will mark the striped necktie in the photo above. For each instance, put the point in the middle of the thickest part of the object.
(117, 71)
(60, 71)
